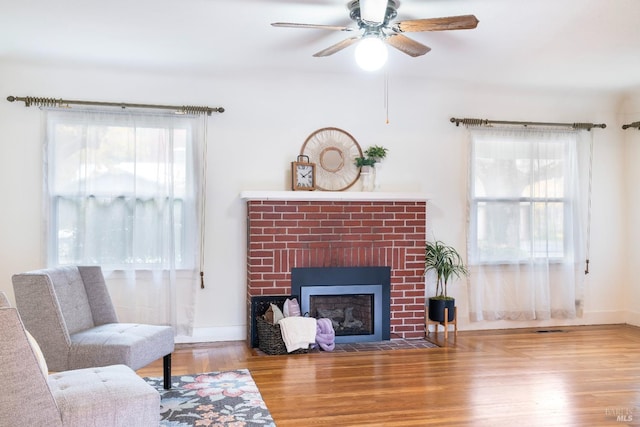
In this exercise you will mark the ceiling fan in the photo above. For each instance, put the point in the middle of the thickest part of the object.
(373, 19)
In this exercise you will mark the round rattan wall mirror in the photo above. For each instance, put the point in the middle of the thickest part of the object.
(334, 152)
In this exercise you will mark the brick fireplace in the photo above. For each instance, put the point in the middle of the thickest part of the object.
(288, 230)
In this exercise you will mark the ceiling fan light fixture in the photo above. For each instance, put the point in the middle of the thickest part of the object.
(373, 11)
(371, 53)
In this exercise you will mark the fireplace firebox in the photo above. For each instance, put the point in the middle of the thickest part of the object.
(351, 311)
(356, 299)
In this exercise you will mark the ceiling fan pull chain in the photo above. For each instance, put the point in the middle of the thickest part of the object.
(386, 94)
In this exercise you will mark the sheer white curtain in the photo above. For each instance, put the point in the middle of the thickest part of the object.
(526, 228)
(123, 191)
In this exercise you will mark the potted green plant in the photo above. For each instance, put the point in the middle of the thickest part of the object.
(372, 155)
(446, 262)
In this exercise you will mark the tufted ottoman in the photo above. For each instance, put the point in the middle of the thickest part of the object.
(107, 396)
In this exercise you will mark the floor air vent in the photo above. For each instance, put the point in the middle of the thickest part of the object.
(548, 331)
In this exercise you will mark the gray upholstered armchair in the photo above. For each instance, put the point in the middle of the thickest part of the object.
(69, 312)
(106, 396)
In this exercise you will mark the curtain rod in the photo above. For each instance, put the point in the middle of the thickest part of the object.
(632, 125)
(52, 102)
(483, 122)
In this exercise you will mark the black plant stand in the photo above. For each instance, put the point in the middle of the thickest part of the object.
(444, 323)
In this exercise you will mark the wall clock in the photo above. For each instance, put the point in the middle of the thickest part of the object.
(334, 152)
(303, 174)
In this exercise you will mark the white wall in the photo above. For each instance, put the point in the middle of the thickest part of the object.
(631, 113)
(268, 118)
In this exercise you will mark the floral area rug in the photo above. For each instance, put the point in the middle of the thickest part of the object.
(214, 399)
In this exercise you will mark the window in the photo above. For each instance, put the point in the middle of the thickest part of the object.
(121, 190)
(525, 227)
(521, 200)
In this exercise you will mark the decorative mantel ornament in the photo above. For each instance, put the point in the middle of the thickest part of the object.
(334, 151)
(368, 177)
(366, 163)
(303, 174)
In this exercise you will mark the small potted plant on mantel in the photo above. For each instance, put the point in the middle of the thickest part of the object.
(446, 262)
(372, 155)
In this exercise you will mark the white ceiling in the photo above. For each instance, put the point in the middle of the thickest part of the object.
(572, 44)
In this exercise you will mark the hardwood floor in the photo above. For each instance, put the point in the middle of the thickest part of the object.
(569, 376)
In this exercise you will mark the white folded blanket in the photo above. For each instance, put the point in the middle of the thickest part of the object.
(298, 332)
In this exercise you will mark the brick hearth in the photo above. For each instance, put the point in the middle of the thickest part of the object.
(287, 229)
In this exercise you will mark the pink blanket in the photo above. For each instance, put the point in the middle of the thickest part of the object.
(325, 335)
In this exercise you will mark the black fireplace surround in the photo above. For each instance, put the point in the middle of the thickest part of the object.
(375, 281)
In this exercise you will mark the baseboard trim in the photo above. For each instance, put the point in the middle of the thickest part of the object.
(589, 318)
(633, 318)
(214, 334)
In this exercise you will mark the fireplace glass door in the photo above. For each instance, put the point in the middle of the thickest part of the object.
(350, 314)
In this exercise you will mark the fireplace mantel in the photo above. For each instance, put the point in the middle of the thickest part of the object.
(333, 196)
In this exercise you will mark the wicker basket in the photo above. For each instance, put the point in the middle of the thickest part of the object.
(270, 338)
(259, 306)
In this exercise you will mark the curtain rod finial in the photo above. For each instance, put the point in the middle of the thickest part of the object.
(11, 98)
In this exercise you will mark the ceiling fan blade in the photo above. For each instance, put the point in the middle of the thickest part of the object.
(314, 26)
(462, 22)
(338, 46)
(407, 45)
